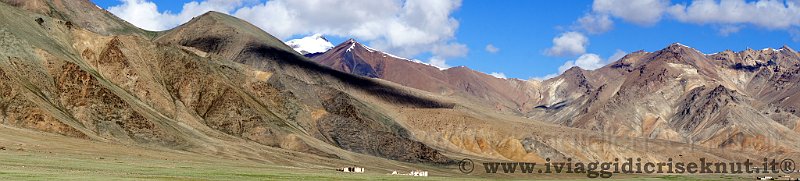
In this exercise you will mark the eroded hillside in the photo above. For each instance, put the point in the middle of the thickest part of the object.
(220, 86)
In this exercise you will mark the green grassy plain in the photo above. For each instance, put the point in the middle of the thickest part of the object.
(38, 165)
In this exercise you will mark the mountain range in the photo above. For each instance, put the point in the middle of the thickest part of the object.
(217, 86)
(737, 100)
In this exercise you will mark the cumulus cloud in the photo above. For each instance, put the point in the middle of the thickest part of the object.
(591, 61)
(145, 14)
(438, 62)
(402, 27)
(491, 48)
(642, 12)
(567, 44)
(587, 61)
(498, 75)
(594, 23)
(769, 14)
(728, 15)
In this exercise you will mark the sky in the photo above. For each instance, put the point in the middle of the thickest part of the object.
(510, 39)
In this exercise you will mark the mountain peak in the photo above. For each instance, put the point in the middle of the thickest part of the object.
(353, 45)
(787, 48)
(82, 13)
(678, 45)
(679, 48)
(216, 32)
(316, 43)
(573, 70)
(211, 13)
(210, 16)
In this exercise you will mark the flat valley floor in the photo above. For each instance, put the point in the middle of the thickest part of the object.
(29, 155)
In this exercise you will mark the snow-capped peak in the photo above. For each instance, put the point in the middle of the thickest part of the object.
(352, 45)
(311, 44)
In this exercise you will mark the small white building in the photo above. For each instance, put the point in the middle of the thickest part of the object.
(419, 173)
(415, 173)
(351, 169)
(764, 178)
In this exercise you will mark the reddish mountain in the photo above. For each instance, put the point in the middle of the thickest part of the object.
(220, 88)
(356, 58)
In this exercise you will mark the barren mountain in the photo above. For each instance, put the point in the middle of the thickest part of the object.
(508, 95)
(220, 87)
(740, 101)
(187, 95)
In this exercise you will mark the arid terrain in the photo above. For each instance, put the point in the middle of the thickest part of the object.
(85, 95)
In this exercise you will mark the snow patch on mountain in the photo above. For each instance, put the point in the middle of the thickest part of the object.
(311, 44)
(353, 45)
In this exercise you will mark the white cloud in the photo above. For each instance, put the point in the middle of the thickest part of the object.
(616, 56)
(795, 34)
(642, 12)
(548, 76)
(569, 43)
(769, 14)
(491, 48)
(728, 15)
(729, 29)
(499, 75)
(145, 14)
(441, 52)
(450, 50)
(402, 27)
(594, 23)
(587, 61)
(438, 63)
(591, 61)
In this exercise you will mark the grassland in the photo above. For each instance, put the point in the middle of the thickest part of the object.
(23, 165)
(28, 155)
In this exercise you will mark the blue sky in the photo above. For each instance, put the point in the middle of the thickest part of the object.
(523, 31)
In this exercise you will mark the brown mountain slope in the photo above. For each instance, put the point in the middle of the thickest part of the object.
(246, 96)
(682, 95)
(501, 94)
(131, 90)
(676, 94)
(81, 13)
